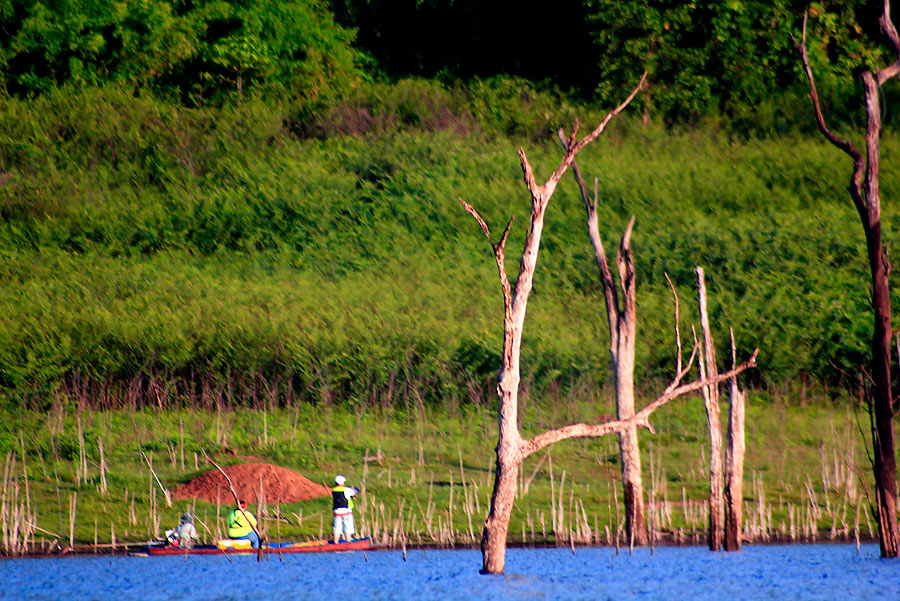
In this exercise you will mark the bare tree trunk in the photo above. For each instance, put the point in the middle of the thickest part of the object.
(622, 339)
(496, 526)
(885, 466)
(864, 191)
(734, 464)
(711, 399)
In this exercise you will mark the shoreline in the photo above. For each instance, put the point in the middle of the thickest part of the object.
(131, 549)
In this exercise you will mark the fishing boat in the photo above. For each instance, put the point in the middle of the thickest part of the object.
(230, 547)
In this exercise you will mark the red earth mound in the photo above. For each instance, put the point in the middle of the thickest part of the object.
(277, 485)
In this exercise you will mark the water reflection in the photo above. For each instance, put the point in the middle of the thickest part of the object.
(795, 572)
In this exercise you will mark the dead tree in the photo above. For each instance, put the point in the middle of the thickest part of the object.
(725, 502)
(711, 401)
(622, 321)
(734, 463)
(511, 448)
(864, 191)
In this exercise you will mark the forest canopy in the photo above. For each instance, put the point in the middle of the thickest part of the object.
(733, 62)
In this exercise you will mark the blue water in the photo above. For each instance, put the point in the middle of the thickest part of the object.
(792, 572)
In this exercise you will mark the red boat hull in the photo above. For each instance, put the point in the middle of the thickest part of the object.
(362, 544)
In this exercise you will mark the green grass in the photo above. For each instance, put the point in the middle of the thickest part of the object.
(789, 447)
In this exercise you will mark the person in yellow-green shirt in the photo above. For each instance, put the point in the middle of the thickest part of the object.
(242, 525)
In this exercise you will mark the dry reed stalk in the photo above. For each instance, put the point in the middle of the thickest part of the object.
(78, 472)
(25, 476)
(132, 518)
(103, 486)
(73, 504)
(462, 471)
(587, 535)
(868, 523)
(832, 534)
(218, 512)
(424, 516)
(534, 472)
(616, 499)
(793, 526)
(173, 453)
(450, 504)
(5, 496)
(265, 426)
(469, 518)
(553, 521)
(154, 513)
(164, 490)
(398, 522)
(559, 512)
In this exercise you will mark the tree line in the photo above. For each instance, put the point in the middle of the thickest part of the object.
(729, 62)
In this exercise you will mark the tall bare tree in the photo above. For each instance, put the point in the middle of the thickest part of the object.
(511, 448)
(864, 191)
(622, 321)
(734, 463)
(711, 401)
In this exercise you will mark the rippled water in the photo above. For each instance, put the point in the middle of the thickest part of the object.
(793, 572)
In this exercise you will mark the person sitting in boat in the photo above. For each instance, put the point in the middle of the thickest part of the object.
(242, 525)
(342, 505)
(184, 534)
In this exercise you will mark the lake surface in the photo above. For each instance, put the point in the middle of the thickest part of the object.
(789, 572)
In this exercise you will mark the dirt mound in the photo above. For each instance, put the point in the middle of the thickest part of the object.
(278, 485)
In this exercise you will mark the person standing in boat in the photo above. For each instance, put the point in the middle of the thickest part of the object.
(342, 506)
(242, 525)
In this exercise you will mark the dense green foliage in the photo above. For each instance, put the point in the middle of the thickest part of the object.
(142, 244)
(213, 199)
(734, 63)
(193, 51)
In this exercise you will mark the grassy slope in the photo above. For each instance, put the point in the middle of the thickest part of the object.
(352, 255)
(792, 450)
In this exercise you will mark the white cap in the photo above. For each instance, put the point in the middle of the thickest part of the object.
(339, 479)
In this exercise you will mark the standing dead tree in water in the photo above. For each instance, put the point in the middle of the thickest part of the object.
(725, 498)
(734, 463)
(511, 448)
(864, 191)
(711, 402)
(622, 321)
